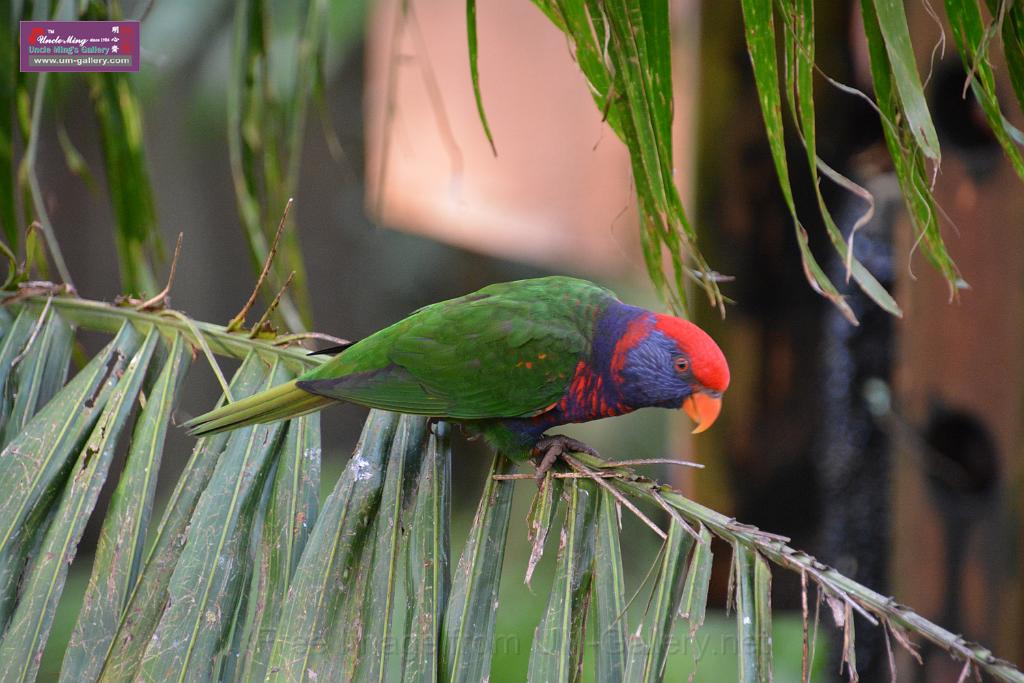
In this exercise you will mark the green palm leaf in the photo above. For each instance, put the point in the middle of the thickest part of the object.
(119, 551)
(248, 579)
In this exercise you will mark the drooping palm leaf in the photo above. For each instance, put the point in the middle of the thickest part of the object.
(557, 652)
(622, 50)
(609, 595)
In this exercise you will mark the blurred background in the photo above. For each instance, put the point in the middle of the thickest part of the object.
(891, 450)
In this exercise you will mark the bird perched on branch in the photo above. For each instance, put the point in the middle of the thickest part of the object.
(509, 362)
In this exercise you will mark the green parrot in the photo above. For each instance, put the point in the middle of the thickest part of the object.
(510, 362)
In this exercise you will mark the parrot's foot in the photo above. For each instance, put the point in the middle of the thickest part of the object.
(549, 449)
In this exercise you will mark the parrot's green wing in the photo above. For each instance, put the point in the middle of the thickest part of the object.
(508, 350)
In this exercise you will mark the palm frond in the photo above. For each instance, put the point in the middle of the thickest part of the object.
(623, 51)
(247, 578)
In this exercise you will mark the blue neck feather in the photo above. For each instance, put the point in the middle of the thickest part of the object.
(600, 397)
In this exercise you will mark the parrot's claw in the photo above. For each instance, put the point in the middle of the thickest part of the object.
(549, 449)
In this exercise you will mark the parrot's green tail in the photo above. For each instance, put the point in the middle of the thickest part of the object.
(279, 403)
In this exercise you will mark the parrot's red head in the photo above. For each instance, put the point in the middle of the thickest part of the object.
(666, 361)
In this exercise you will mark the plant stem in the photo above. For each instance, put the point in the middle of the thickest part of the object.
(101, 316)
(104, 317)
(862, 598)
(33, 184)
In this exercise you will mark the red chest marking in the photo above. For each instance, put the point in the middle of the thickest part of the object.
(587, 397)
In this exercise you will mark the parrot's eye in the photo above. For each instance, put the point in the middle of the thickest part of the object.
(682, 364)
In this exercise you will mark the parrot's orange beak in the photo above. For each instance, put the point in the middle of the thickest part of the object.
(703, 408)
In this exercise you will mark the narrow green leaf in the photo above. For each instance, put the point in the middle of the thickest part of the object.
(321, 585)
(234, 655)
(19, 558)
(353, 647)
(908, 160)
(624, 50)
(22, 647)
(539, 520)
(374, 627)
(297, 308)
(120, 123)
(799, 50)
(467, 637)
(428, 553)
(474, 71)
(609, 594)
(644, 63)
(752, 581)
(763, 607)
(266, 121)
(557, 653)
(204, 589)
(970, 36)
(648, 646)
(38, 371)
(13, 344)
(73, 159)
(640, 51)
(694, 602)
(230, 661)
(13, 560)
(33, 465)
(120, 547)
(149, 594)
(290, 517)
(247, 55)
(759, 27)
(892, 20)
(1013, 42)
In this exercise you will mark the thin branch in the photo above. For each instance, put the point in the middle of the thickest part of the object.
(211, 359)
(654, 461)
(628, 504)
(603, 470)
(965, 672)
(284, 340)
(889, 652)
(905, 643)
(856, 596)
(239, 320)
(101, 316)
(675, 515)
(160, 300)
(655, 564)
(33, 183)
(270, 309)
(555, 475)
